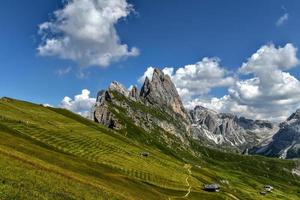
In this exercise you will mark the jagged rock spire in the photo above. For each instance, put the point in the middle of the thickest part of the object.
(162, 92)
(134, 93)
(159, 92)
(295, 115)
(118, 87)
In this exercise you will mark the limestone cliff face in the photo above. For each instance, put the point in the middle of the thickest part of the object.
(134, 93)
(101, 111)
(227, 129)
(161, 92)
(286, 142)
(156, 105)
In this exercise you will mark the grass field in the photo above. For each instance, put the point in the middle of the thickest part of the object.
(49, 153)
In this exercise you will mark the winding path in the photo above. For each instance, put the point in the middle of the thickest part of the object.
(234, 197)
(188, 167)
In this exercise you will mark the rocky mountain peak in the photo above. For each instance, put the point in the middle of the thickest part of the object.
(229, 129)
(294, 116)
(286, 142)
(145, 90)
(162, 92)
(102, 96)
(118, 87)
(160, 95)
(201, 108)
(134, 93)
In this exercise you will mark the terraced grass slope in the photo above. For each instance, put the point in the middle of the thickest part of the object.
(48, 153)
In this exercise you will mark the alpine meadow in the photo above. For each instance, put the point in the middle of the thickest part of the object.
(195, 100)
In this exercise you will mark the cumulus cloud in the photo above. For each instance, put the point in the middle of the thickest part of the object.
(149, 72)
(199, 78)
(84, 31)
(81, 104)
(196, 79)
(282, 19)
(271, 92)
(268, 91)
(268, 57)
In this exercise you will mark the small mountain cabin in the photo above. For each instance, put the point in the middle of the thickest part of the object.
(144, 154)
(212, 187)
(268, 188)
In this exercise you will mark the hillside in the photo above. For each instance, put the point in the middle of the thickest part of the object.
(49, 153)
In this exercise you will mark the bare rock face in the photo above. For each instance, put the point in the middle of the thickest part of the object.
(102, 97)
(105, 117)
(286, 142)
(162, 92)
(101, 112)
(118, 87)
(134, 93)
(227, 129)
(156, 106)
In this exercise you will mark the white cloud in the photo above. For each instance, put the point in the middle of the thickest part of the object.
(149, 72)
(196, 79)
(168, 70)
(64, 71)
(282, 19)
(82, 103)
(268, 57)
(84, 31)
(270, 94)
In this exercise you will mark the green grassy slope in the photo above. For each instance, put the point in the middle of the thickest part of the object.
(48, 153)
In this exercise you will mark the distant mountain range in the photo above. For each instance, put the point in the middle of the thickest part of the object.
(227, 130)
(219, 130)
(286, 142)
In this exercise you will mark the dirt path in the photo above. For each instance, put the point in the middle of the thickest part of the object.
(234, 197)
(188, 167)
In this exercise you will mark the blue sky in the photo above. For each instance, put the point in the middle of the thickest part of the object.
(169, 33)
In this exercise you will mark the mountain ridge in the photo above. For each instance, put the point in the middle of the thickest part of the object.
(286, 142)
(220, 130)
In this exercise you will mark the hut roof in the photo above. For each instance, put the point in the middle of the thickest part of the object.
(213, 186)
